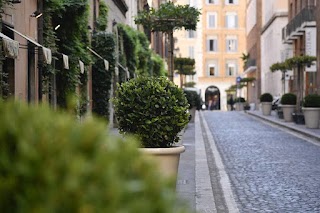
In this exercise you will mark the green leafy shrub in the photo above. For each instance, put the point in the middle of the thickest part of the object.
(153, 109)
(266, 97)
(193, 98)
(51, 163)
(312, 100)
(289, 99)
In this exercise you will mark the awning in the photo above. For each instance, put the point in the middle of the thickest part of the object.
(10, 46)
(24, 36)
(65, 59)
(106, 63)
(81, 65)
(250, 69)
(47, 55)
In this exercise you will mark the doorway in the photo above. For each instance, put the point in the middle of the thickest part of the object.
(212, 98)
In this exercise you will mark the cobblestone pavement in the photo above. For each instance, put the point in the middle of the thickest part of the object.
(270, 170)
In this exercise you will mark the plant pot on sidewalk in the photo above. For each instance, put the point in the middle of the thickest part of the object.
(167, 159)
(287, 112)
(311, 117)
(288, 104)
(155, 111)
(266, 103)
(266, 108)
(311, 110)
(192, 112)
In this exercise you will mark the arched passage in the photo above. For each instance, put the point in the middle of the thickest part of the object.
(212, 98)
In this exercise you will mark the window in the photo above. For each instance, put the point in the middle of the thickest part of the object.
(231, 68)
(212, 68)
(212, 44)
(212, 1)
(231, 44)
(212, 20)
(231, 1)
(191, 34)
(191, 52)
(231, 20)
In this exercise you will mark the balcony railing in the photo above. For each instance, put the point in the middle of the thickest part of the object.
(306, 15)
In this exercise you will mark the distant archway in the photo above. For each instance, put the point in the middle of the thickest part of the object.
(212, 98)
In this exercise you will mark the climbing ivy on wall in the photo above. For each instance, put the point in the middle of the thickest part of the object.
(137, 55)
(4, 86)
(104, 44)
(72, 39)
(102, 20)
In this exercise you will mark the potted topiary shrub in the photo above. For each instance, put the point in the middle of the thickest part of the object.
(239, 102)
(154, 110)
(194, 102)
(288, 104)
(52, 163)
(311, 110)
(266, 103)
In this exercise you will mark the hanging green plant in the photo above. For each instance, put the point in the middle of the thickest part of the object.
(158, 68)
(104, 44)
(302, 60)
(282, 66)
(102, 20)
(128, 48)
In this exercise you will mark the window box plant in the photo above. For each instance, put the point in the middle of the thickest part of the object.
(155, 111)
(288, 104)
(311, 110)
(266, 103)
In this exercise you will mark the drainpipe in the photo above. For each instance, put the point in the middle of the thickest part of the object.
(40, 41)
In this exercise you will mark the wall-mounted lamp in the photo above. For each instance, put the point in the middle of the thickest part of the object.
(57, 27)
(36, 14)
(252, 84)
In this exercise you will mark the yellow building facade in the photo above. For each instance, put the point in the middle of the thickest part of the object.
(217, 46)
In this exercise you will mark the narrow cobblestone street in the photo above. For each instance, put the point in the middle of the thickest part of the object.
(253, 166)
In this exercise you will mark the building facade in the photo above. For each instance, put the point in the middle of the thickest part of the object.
(19, 25)
(216, 46)
(253, 36)
(301, 31)
(274, 18)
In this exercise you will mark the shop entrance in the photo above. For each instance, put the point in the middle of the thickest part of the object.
(212, 98)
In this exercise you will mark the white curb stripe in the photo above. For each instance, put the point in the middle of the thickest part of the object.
(225, 182)
(204, 195)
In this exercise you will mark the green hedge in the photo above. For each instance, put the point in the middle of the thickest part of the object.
(51, 163)
(153, 109)
(289, 99)
(266, 97)
(311, 100)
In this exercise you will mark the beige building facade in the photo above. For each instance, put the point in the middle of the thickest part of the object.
(217, 46)
(19, 23)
